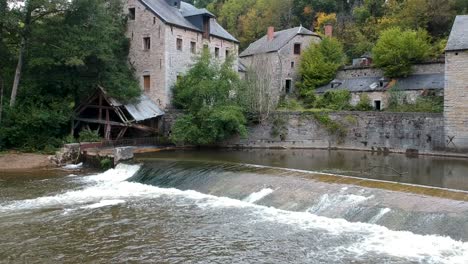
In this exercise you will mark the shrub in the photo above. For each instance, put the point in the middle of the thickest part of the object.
(290, 104)
(335, 100)
(88, 135)
(364, 103)
(106, 164)
(212, 97)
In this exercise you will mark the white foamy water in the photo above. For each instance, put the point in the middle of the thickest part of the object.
(337, 201)
(110, 188)
(103, 203)
(73, 166)
(257, 196)
(379, 216)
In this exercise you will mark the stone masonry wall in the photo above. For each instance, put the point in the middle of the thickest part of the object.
(163, 62)
(147, 62)
(456, 101)
(287, 57)
(371, 131)
(353, 72)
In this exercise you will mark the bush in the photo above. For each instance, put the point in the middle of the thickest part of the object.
(364, 103)
(88, 135)
(35, 127)
(106, 164)
(212, 97)
(397, 49)
(334, 100)
(290, 104)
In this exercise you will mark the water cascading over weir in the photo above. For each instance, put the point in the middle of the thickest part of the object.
(324, 195)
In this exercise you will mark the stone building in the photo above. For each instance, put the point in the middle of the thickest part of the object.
(166, 36)
(275, 58)
(456, 86)
(427, 79)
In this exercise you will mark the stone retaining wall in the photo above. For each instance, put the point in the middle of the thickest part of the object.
(372, 131)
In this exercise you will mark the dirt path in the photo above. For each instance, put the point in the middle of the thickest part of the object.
(23, 161)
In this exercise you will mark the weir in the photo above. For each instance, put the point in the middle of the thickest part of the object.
(180, 211)
(395, 206)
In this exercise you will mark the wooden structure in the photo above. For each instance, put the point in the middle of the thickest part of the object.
(114, 119)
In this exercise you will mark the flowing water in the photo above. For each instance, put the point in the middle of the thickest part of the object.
(235, 207)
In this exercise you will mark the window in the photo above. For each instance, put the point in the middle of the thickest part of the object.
(147, 83)
(292, 64)
(146, 43)
(154, 20)
(217, 52)
(227, 53)
(297, 48)
(205, 47)
(193, 47)
(288, 86)
(179, 44)
(378, 105)
(131, 13)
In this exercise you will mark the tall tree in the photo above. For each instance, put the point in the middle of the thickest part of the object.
(32, 12)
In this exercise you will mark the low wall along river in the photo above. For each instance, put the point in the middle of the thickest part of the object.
(421, 133)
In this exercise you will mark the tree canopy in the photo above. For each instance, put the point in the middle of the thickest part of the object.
(67, 48)
(210, 93)
(396, 51)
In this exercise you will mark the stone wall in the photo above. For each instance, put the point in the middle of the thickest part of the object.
(456, 101)
(372, 131)
(359, 72)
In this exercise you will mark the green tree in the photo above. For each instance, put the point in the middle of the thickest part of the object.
(319, 64)
(397, 49)
(210, 95)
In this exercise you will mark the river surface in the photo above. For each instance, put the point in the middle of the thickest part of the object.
(262, 206)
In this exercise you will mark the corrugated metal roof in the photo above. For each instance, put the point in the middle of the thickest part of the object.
(371, 84)
(458, 39)
(175, 16)
(144, 109)
(281, 38)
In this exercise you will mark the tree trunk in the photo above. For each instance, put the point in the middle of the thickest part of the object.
(1, 98)
(19, 68)
(24, 41)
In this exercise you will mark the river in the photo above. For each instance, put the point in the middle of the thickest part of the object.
(259, 206)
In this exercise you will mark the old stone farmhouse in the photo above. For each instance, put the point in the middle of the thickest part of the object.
(166, 36)
(427, 79)
(444, 77)
(275, 58)
(456, 86)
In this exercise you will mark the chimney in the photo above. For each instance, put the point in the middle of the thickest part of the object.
(271, 33)
(329, 30)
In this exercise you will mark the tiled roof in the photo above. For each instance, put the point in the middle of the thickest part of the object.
(458, 39)
(281, 38)
(372, 84)
(173, 15)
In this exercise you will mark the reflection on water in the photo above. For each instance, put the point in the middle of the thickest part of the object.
(424, 170)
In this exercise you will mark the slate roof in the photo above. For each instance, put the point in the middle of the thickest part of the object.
(281, 38)
(458, 39)
(372, 84)
(174, 16)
